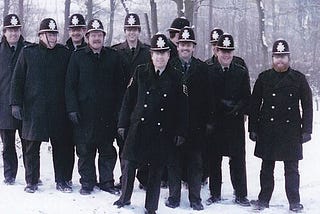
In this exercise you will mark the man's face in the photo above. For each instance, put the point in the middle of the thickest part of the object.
(76, 34)
(185, 50)
(175, 38)
(12, 35)
(132, 34)
(280, 62)
(96, 39)
(224, 57)
(49, 38)
(214, 49)
(160, 58)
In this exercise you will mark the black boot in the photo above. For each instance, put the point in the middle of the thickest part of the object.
(296, 207)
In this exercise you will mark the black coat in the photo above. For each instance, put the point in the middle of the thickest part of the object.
(8, 59)
(235, 59)
(199, 101)
(130, 62)
(154, 110)
(275, 114)
(94, 85)
(38, 86)
(232, 87)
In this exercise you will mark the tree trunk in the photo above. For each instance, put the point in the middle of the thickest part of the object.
(189, 6)
(148, 26)
(21, 14)
(89, 5)
(66, 19)
(6, 6)
(180, 11)
(110, 30)
(125, 6)
(264, 45)
(154, 17)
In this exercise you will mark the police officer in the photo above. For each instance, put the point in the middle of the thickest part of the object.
(133, 53)
(94, 84)
(214, 37)
(10, 47)
(276, 125)
(77, 30)
(231, 83)
(37, 98)
(188, 157)
(154, 113)
(174, 30)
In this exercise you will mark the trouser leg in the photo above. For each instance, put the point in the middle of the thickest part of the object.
(86, 165)
(128, 176)
(292, 181)
(175, 176)
(194, 174)
(153, 187)
(215, 175)
(32, 161)
(10, 160)
(238, 175)
(266, 180)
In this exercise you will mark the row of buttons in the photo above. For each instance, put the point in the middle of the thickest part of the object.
(273, 107)
(164, 95)
(272, 119)
(274, 94)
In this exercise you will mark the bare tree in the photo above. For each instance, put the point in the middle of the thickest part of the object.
(125, 6)
(6, 7)
(89, 5)
(110, 27)
(262, 35)
(66, 18)
(154, 17)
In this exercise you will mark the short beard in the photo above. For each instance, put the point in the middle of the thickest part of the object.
(277, 69)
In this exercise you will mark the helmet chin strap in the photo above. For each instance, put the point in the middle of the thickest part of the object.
(48, 43)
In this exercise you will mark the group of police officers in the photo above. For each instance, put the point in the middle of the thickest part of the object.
(174, 117)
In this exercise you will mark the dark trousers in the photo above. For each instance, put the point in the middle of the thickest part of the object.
(153, 183)
(292, 180)
(106, 162)
(237, 174)
(32, 160)
(9, 154)
(70, 157)
(190, 162)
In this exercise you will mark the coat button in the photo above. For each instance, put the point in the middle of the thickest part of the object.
(271, 119)
(165, 95)
(290, 95)
(289, 108)
(145, 105)
(161, 109)
(273, 107)
(147, 92)
(288, 121)
(159, 124)
(273, 94)
(142, 118)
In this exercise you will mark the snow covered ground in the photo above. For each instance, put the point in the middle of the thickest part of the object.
(13, 199)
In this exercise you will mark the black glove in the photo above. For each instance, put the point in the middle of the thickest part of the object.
(16, 112)
(306, 137)
(210, 129)
(121, 132)
(179, 140)
(74, 117)
(253, 136)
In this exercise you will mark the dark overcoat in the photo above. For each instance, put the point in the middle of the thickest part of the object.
(235, 59)
(154, 110)
(94, 85)
(37, 86)
(8, 59)
(232, 86)
(276, 115)
(199, 101)
(131, 61)
(70, 46)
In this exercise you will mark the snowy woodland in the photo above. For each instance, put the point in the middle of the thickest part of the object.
(255, 25)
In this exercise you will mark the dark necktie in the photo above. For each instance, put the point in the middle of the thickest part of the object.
(132, 51)
(225, 69)
(12, 49)
(185, 67)
(158, 73)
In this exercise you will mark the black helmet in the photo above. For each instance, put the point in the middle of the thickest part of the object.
(215, 35)
(178, 24)
(186, 34)
(11, 21)
(48, 25)
(95, 25)
(280, 47)
(225, 42)
(77, 20)
(159, 42)
(132, 20)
